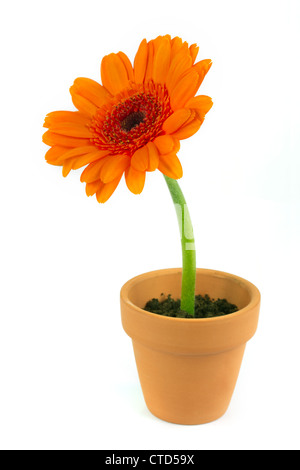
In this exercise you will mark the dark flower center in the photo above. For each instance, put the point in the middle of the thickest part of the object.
(132, 120)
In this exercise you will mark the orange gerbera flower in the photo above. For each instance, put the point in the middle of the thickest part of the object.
(134, 121)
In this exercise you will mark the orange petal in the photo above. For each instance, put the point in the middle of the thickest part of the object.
(71, 129)
(202, 68)
(114, 167)
(153, 156)
(135, 180)
(114, 74)
(190, 129)
(75, 163)
(105, 192)
(50, 138)
(92, 91)
(202, 104)
(176, 120)
(150, 56)
(57, 117)
(164, 143)
(140, 62)
(127, 65)
(161, 61)
(54, 154)
(185, 89)
(82, 104)
(153, 48)
(194, 49)
(176, 45)
(180, 64)
(75, 152)
(67, 167)
(92, 188)
(140, 159)
(89, 158)
(92, 172)
(170, 166)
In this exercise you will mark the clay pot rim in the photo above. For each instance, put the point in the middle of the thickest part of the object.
(253, 291)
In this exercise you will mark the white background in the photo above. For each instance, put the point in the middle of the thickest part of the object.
(67, 371)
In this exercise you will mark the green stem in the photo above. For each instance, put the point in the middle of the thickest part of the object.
(188, 247)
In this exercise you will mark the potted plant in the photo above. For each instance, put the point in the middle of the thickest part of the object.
(188, 351)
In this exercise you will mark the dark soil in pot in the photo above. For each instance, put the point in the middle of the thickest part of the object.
(205, 307)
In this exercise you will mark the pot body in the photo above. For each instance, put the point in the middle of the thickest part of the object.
(188, 368)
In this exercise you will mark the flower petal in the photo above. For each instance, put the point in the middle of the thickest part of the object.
(114, 73)
(194, 49)
(180, 64)
(89, 158)
(57, 117)
(176, 45)
(153, 156)
(202, 68)
(92, 172)
(150, 57)
(176, 120)
(201, 104)
(71, 129)
(140, 159)
(75, 152)
(190, 129)
(67, 167)
(185, 89)
(170, 166)
(161, 61)
(140, 62)
(165, 144)
(82, 104)
(91, 90)
(105, 192)
(92, 188)
(114, 167)
(50, 138)
(54, 154)
(127, 65)
(135, 180)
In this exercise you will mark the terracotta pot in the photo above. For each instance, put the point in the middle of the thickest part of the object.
(188, 368)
